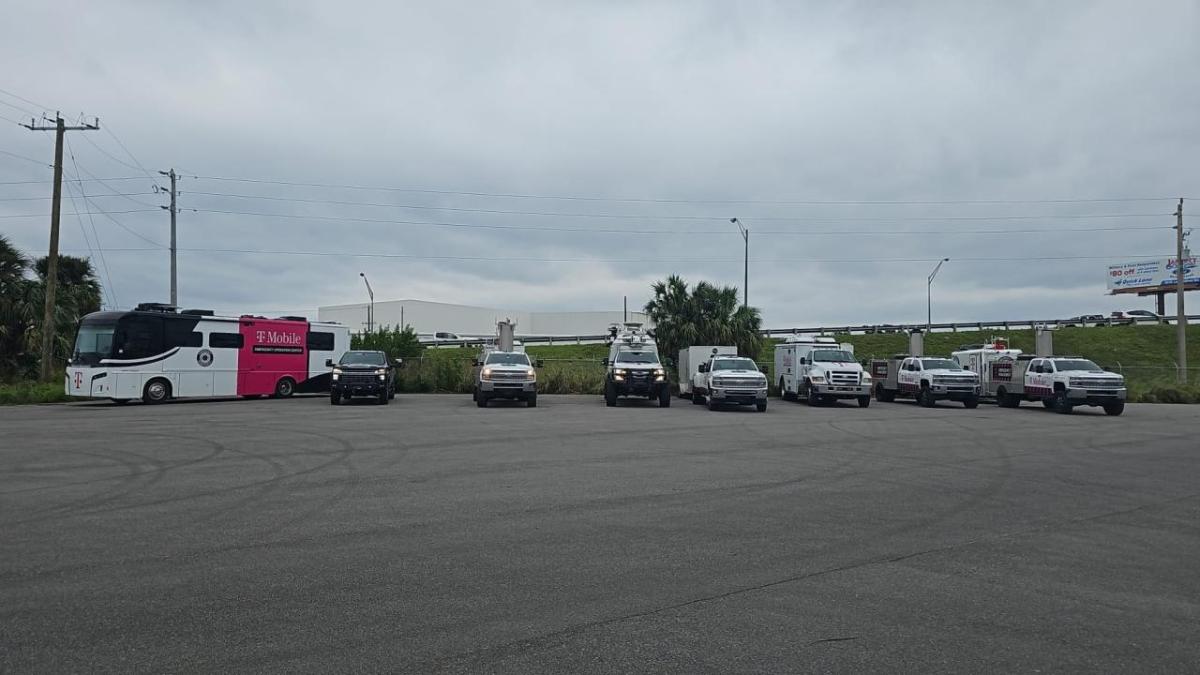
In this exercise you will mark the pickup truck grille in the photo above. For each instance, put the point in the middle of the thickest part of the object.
(1096, 382)
(358, 379)
(843, 377)
(508, 375)
(745, 382)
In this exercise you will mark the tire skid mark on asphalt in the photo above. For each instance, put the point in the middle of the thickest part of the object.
(555, 638)
(93, 503)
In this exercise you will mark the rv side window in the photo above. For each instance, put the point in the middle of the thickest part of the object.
(320, 342)
(225, 340)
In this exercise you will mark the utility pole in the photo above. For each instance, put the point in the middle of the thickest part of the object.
(60, 129)
(1180, 315)
(174, 211)
(746, 264)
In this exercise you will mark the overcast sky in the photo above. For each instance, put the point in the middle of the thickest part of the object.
(692, 113)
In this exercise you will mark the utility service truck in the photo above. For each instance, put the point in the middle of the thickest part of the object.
(819, 370)
(728, 379)
(1060, 382)
(688, 366)
(926, 379)
(502, 371)
(633, 367)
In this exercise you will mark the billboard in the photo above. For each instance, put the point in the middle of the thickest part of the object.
(1144, 275)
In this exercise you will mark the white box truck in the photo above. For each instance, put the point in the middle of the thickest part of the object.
(689, 362)
(819, 370)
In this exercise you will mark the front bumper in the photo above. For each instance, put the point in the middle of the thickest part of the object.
(954, 392)
(359, 385)
(739, 395)
(842, 390)
(631, 385)
(502, 389)
(1096, 396)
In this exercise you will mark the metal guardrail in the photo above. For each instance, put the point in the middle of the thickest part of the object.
(860, 329)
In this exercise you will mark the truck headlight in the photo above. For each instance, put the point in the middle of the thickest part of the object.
(817, 379)
(866, 378)
(381, 371)
(531, 374)
(486, 374)
(337, 374)
(618, 371)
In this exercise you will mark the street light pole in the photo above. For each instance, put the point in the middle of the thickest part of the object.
(746, 265)
(929, 295)
(370, 307)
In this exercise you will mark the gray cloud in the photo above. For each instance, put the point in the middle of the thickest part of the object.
(686, 101)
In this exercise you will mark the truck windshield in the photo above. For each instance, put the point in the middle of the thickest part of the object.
(1075, 364)
(94, 342)
(832, 355)
(507, 359)
(363, 359)
(734, 364)
(637, 357)
(939, 364)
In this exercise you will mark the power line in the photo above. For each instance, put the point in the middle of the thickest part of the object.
(628, 216)
(139, 166)
(534, 228)
(42, 215)
(25, 100)
(410, 256)
(639, 200)
(27, 159)
(85, 180)
(104, 262)
(108, 155)
(118, 194)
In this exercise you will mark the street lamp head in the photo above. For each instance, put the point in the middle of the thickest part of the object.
(361, 274)
(945, 260)
(733, 220)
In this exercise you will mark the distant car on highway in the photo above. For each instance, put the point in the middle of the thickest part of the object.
(1143, 315)
(1085, 321)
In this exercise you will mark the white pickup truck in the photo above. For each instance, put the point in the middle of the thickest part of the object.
(733, 380)
(1060, 382)
(925, 379)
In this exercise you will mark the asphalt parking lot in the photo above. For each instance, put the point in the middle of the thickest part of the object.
(430, 535)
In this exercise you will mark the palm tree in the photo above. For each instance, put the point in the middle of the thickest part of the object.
(16, 308)
(707, 315)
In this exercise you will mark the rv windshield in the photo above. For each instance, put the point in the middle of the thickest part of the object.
(646, 356)
(507, 359)
(832, 356)
(734, 364)
(94, 342)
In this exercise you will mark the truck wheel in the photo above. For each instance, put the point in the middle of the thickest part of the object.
(383, 398)
(1062, 405)
(925, 398)
(884, 395)
(531, 402)
(784, 393)
(610, 394)
(864, 401)
(761, 407)
(712, 403)
(1048, 403)
(157, 390)
(481, 400)
(697, 398)
(971, 402)
(334, 398)
(813, 398)
(664, 398)
(1115, 408)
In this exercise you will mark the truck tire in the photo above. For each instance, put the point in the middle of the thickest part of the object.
(812, 397)
(481, 400)
(864, 401)
(610, 394)
(1115, 408)
(664, 398)
(1048, 403)
(697, 398)
(334, 398)
(1007, 400)
(971, 402)
(784, 393)
(761, 407)
(712, 403)
(884, 395)
(925, 398)
(531, 402)
(1062, 405)
(383, 398)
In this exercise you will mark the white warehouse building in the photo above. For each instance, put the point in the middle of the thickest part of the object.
(428, 318)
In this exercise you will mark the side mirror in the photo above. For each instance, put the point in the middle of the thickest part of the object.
(803, 361)
(328, 363)
(70, 361)
(477, 363)
(399, 363)
(703, 368)
(966, 368)
(764, 369)
(539, 364)
(604, 361)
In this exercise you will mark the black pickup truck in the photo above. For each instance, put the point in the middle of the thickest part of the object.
(363, 373)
